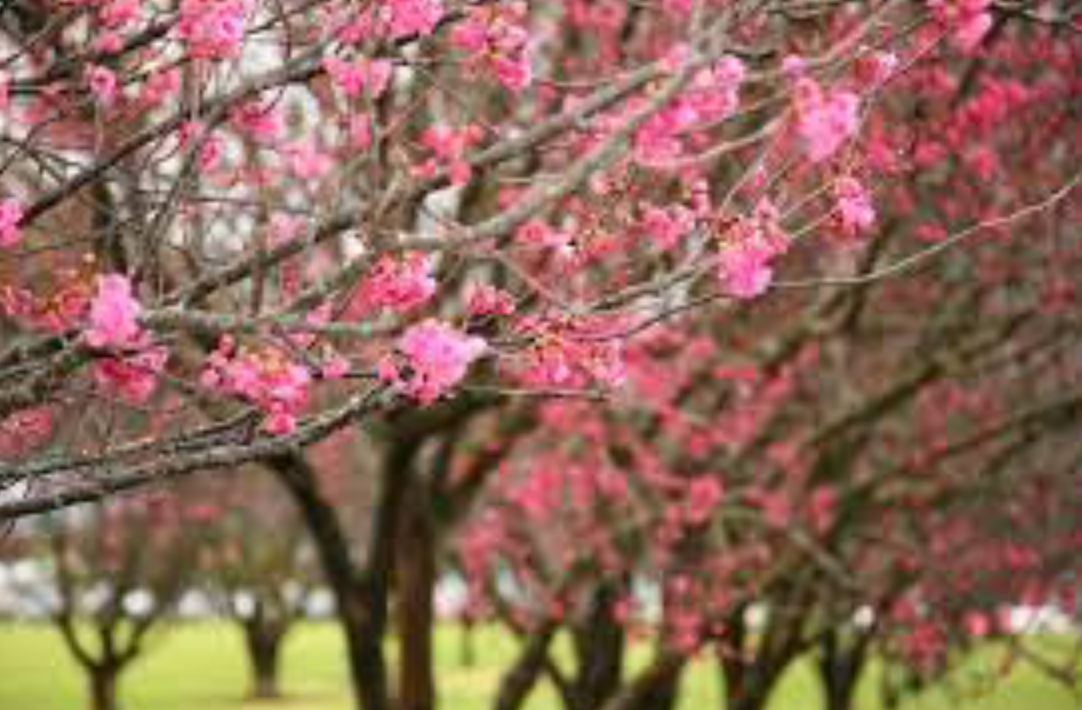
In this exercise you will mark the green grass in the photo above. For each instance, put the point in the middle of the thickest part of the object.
(201, 667)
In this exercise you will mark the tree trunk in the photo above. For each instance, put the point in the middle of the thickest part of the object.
(599, 648)
(840, 666)
(750, 696)
(263, 640)
(103, 687)
(519, 680)
(360, 598)
(656, 688)
(748, 685)
(661, 693)
(415, 579)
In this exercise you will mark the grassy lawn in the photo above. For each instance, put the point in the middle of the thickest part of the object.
(201, 667)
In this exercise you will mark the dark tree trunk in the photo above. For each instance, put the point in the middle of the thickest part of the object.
(360, 598)
(748, 685)
(263, 640)
(415, 579)
(599, 648)
(520, 679)
(751, 695)
(656, 688)
(103, 687)
(840, 667)
(661, 693)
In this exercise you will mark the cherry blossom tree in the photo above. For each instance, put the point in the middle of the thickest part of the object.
(261, 569)
(117, 574)
(231, 230)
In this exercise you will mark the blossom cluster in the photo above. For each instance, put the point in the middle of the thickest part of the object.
(397, 284)
(114, 315)
(968, 20)
(436, 357)
(23, 431)
(485, 300)
(11, 213)
(825, 120)
(266, 377)
(572, 354)
(406, 18)
(132, 365)
(360, 76)
(744, 264)
(212, 29)
(449, 147)
(855, 208)
(496, 40)
(713, 96)
(668, 225)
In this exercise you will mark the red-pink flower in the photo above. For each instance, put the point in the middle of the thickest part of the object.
(359, 76)
(262, 121)
(131, 378)
(307, 161)
(212, 29)
(102, 83)
(412, 17)
(114, 315)
(854, 206)
(11, 213)
(485, 300)
(668, 226)
(5, 90)
(449, 146)
(398, 284)
(267, 378)
(744, 264)
(824, 121)
(969, 20)
(744, 269)
(119, 13)
(438, 357)
(496, 40)
(24, 430)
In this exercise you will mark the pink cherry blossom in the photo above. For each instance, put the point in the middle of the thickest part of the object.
(114, 315)
(158, 86)
(496, 40)
(359, 76)
(398, 284)
(307, 161)
(23, 431)
(703, 496)
(131, 378)
(212, 29)
(824, 121)
(412, 17)
(267, 378)
(668, 226)
(360, 132)
(744, 264)
(438, 356)
(11, 213)
(119, 13)
(745, 271)
(969, 20)
(449, 146)
(103, 84)
(263, 122)
(486, 300)
(5, 90)
(854, 206)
